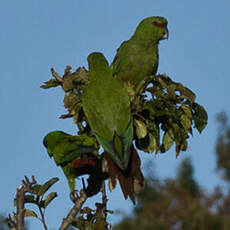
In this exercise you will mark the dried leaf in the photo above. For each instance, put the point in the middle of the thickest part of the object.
(111, 185)
(200, 117)
(51, 83)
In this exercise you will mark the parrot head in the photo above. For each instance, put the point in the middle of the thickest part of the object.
(97, 64)
(51, 140)
(154, 28)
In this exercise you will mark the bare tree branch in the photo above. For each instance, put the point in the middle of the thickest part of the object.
(56, 75)
(20, 198)
(74, 211)
(28, 185)
(104, 199)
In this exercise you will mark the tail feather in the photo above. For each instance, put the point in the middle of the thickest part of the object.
(127, 178)
(119, 147)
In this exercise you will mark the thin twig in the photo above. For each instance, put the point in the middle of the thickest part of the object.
(74, 211)
(28, 185)
(104, 199)
(43, 218)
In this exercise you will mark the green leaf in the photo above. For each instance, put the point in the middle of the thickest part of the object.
(51, 83)
(30, 213)
(36, 188)
(49, 198)
(154, 130)
(152, 144)
(30, 199)
(47, 185)
(186, 110)
(186, 122)
(184, 145)
(167, 141)
(141, 130)
(200, 117)
(186, 93)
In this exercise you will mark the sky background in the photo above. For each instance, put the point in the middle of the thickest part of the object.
(36, 35)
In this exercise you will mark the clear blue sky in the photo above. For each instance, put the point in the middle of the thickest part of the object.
(37, 35)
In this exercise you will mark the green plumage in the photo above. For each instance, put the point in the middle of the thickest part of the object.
(65, 149)
(107, 108)
(137, 58)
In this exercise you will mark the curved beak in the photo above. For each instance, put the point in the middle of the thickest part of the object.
(166, 33)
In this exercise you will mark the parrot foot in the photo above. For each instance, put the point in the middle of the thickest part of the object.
(74, 196)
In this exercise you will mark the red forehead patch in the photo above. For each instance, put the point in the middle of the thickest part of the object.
(161, 25)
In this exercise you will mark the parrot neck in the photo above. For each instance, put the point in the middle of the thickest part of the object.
(147, 43)
(99, 76)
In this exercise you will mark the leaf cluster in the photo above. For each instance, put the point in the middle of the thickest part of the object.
(73, 84)
(164, 111)
(30, 192)
(92, 219)
(37, 196)
(166, 116)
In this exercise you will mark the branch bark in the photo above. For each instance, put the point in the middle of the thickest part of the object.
(20, 198)
(74, 211)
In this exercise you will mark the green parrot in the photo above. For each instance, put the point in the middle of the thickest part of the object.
(137, 58)
(106, 105)
(77, 155)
